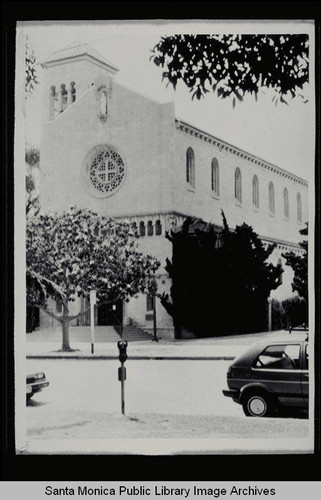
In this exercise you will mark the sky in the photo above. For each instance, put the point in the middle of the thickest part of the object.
(282, 134)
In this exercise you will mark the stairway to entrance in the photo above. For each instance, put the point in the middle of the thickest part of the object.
(133, 333)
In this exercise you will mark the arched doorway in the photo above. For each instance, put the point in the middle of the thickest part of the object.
(110, 314)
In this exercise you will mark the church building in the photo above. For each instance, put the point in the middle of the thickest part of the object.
(114, 151)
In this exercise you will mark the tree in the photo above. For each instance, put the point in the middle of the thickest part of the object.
(32, 158)
(221, 279)
(235, 65)
(75, 252)
(32, 155)
(31, 77)
(299, 264)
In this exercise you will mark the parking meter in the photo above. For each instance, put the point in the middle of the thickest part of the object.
(122, 346)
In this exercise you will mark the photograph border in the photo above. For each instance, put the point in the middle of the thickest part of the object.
(120, 467)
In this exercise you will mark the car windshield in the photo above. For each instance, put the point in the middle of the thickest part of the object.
(282, 357)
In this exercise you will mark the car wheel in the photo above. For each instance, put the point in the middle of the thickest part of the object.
(257, 405)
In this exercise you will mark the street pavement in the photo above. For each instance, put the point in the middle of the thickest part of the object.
(225, 348)
(83, 431)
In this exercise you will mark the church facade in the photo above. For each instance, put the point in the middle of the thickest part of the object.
(126, 156)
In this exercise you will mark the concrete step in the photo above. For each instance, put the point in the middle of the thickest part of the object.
(133, 333)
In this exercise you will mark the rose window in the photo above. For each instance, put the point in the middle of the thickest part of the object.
(106, 170)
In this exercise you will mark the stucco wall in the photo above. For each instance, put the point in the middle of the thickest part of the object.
(136, 127)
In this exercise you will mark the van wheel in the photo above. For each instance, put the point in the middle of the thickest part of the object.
(257, 405)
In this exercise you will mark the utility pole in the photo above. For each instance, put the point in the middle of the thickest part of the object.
(270, 314)
(154, 318)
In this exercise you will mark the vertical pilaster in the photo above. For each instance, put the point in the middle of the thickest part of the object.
(69, 97)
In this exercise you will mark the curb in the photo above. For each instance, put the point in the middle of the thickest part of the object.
(151, 357)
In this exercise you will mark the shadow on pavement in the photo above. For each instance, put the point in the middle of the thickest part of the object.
(32, 402)
(293, 413)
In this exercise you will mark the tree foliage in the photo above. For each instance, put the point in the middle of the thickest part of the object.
(221, 279)
(31, 77)
(70, 254)
(32, 158)
(235, 65)
(299, 264)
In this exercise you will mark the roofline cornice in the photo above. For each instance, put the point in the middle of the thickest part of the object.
(223, 145)
(145, 214)
(151, 215)
(281, 243)
(89, 57)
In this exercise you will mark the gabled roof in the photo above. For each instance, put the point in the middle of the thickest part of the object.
(79, 50)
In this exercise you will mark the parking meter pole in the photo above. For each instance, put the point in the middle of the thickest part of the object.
(122, 346)
(92, 332)
(122, 391)
(92, 318)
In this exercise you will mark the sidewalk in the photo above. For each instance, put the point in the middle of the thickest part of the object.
(224, 348)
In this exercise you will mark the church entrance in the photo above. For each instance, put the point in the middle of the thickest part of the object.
(110, 314)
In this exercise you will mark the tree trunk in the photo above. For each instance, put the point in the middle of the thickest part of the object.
(65, 336)
(65, 328)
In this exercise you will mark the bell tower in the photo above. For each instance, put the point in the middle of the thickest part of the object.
(68, 74)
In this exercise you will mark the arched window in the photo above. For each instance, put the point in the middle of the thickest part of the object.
(62, 98)
(64, 95)
(158, 227)
(134, 228)
(215, 177)
(271, 198)
(190, 167)
(103, 102)
(255, 191)
(238, 185)
(286, 202)
(71, 93)
(299, 207)
(142, 230)
(150, 229)
(52, 102)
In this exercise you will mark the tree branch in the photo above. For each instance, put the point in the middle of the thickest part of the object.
(50, 313)
(79, 315)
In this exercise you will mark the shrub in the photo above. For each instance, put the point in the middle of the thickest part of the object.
(295, 311)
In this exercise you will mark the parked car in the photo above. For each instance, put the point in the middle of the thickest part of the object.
(35, 383)
(269, 376)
